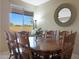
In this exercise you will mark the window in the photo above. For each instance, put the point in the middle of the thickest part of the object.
(19, 22)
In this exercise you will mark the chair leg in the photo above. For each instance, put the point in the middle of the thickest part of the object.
(10, 56)
(20, 57)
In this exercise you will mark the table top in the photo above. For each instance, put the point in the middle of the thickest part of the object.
(47, 45)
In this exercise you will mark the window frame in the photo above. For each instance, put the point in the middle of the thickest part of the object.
(22, 12)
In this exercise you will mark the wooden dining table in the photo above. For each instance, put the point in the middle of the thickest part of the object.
(50, 45)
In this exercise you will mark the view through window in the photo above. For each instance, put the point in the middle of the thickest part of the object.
(19, 22)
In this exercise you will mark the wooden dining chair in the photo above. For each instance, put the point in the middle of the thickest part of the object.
(12, 44)
(62, 35)
(50, 34)
(24, 44)
(70, 39)
(68, 45)
(39, 54)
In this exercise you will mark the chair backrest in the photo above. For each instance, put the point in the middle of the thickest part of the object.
(39, 54)
(12, 42)
(7, 38)
(68, 45)
(24, 38)
(62, 34)
(70, 38)
(50, 34)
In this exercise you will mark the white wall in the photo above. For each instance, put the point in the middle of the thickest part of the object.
(4, 10)
(0, 24)
(44, 14)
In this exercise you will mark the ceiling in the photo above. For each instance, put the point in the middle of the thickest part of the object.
(35, 2)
